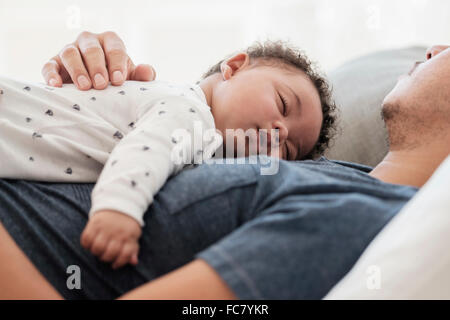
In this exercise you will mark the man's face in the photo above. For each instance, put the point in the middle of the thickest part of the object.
(420, 102)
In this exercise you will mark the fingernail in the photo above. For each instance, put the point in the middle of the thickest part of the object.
(153, 71)
(117, 76)
(99, 80)
(83, 82)
(52, 82)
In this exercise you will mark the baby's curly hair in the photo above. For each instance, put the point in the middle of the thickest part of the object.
(281, 52)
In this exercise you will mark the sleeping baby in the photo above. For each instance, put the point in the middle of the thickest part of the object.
(123, 138)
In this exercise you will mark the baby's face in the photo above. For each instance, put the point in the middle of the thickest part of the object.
(270, 97)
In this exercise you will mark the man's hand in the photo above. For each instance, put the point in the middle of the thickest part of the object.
(113, 237)
(92, 61)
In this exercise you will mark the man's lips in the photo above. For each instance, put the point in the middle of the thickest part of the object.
(416, 64)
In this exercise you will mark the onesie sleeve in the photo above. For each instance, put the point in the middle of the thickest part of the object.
(169, 134)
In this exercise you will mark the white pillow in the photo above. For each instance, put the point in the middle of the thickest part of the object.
(410, 257)
(360, 86)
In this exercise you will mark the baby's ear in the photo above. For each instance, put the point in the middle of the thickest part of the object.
(233, 64)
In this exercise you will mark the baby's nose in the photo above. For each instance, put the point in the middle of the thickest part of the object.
(283, 132)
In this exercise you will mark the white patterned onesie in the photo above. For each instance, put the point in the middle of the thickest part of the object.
(120, 137)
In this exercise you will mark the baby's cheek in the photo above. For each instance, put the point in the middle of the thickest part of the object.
(248, 111)
(265, 111)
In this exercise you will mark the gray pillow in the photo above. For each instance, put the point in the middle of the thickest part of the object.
(359, 88)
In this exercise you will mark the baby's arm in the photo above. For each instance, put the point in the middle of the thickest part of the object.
(138, 167)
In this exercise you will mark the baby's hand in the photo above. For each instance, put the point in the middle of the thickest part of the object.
(113, 237)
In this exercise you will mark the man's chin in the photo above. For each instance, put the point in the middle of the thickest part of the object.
(389, 111)
(390, 99)
(401, 91)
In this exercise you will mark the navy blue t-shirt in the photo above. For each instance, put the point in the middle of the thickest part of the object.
(315, 218)
(292, 235)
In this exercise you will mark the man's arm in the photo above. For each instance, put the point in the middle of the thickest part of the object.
(194, 281)
(19, 278)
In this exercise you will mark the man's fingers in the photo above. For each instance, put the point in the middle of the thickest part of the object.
(50, 72)
(142, 72)
(68, 66)
(116, 58)
(71, 60)
(94, 59)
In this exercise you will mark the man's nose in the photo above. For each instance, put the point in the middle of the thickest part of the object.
(435, 50)
(283, 132)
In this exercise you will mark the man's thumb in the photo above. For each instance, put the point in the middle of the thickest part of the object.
(143, 72)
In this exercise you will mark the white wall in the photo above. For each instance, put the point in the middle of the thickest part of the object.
(183, 38)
